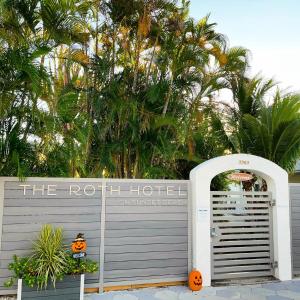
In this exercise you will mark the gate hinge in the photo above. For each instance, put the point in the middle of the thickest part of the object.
(273, 202)
(274, 264)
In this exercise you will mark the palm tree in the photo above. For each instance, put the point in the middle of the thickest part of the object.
(31, 31)
(249, 96)
(261, 124)
(275, 133)
(153, 75)
(118, 88)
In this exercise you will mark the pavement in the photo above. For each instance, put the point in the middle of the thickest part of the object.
(286, 290)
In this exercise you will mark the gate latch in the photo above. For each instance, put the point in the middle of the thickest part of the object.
(213, 232)
(273, 202)
(274, 264)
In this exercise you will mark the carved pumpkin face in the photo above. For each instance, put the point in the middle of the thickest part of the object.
(195, 280)
(79, 244)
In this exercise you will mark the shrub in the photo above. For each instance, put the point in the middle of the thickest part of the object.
(49, 256)
(50, 261)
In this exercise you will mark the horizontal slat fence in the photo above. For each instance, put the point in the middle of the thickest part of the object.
(138, 230)
(295, 226)
(24, 215)
(150, 233)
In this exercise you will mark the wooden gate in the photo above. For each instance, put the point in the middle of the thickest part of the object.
(241, 231)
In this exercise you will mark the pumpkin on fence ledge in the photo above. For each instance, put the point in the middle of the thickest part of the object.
(195, 280)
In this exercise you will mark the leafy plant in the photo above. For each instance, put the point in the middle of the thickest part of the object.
(75, 266)
(49, 262)
(23, 268)
(128, 97)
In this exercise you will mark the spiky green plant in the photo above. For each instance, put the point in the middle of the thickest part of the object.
(50, 255)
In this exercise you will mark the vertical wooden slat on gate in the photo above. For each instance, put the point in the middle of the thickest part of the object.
(102, 238)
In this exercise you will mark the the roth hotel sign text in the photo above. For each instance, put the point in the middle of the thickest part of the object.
(93, 189)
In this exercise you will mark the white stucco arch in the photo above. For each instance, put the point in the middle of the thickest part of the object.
(277, 180)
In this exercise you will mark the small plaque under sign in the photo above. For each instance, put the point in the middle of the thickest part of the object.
(202, 214)
(79, 255)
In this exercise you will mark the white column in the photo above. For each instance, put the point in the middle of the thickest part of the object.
(81, 286)
(201, 226)
(282, 229)
(19, 291)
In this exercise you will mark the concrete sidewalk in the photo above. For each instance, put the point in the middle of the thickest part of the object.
(266, 291)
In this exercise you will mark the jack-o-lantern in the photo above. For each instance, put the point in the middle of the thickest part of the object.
(195, 280)
(79, 244)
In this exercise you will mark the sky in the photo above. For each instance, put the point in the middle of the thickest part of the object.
(270, 29)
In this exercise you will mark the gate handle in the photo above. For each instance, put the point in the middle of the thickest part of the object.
(213, 232)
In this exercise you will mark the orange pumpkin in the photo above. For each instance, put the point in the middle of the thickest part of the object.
(79, 244)
(195, 280)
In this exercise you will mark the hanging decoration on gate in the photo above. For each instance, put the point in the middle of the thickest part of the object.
(195, 280)
(79, 246)
(239, 176)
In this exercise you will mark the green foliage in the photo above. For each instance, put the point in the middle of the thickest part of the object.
(275, 134)
(23, 268)
(84, 265)
(264, 124)
(49, 255)
(50, 261)
(136, 96)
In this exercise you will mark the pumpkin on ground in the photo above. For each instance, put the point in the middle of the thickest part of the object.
(195, 280)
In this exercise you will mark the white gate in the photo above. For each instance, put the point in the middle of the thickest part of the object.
(241, 232)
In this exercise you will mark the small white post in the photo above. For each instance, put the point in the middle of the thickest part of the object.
(19, 292)
(81, 287)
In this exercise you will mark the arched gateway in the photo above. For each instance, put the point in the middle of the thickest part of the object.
(278, 208)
